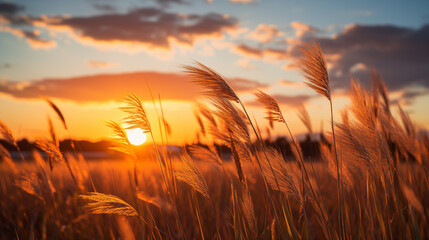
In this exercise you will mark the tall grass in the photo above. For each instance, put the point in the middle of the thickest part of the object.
(379, 165)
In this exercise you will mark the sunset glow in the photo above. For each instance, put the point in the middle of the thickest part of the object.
(214, 119)
(88, 61)
(136, 136)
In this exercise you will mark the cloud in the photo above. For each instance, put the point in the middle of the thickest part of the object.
(264, 33)
(407, 97)
(108, 87)
(399, 54)
(248, 51)
(150, 27)
(302, 29)
(9, 20)
(146, 28)
(101, 64)
(10, 8)
(32, 37)
(260, 53)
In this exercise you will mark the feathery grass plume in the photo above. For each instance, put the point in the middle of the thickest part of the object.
(240, 146)
(122, 144)
(305, 118)
(288, 181)
(237, 161)
(203, 110)
(57, 111)
(155, 201)
(190, 174)
(407, 123)
(200, 123)
(5, 155)
(137, 117)
(213, 83)
(231, 118)
(381, 89)
(37, 184)
(44, 176)
(52, 150)
(100, 203)
(363, 150)
(375, 94)
(54, 138)
(273, 110)
(6, 133)
(30, 184)
(201, 153)
(346, 176)
(249, 212)
(362, 105)
(78, 170)
(313, 67)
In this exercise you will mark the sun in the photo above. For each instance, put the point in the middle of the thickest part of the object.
(136, 136)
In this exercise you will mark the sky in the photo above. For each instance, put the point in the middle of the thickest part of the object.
(86, 55)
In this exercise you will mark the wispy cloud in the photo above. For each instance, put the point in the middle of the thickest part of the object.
(264, 33)
(32, 37)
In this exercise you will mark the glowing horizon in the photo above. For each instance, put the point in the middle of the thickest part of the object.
(87, 61)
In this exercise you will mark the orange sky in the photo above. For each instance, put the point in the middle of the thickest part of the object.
(86, 56)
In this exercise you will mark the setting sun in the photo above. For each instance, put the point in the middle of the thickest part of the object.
(136, 136)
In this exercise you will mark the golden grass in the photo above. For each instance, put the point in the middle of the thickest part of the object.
(376, 187)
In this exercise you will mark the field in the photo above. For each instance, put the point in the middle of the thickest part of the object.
(370, 181)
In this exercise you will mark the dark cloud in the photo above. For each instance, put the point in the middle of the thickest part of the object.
(149, 26)
(400, 55)
(7, 8)
(107, 87)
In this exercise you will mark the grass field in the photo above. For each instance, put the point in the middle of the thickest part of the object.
(370, 183)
